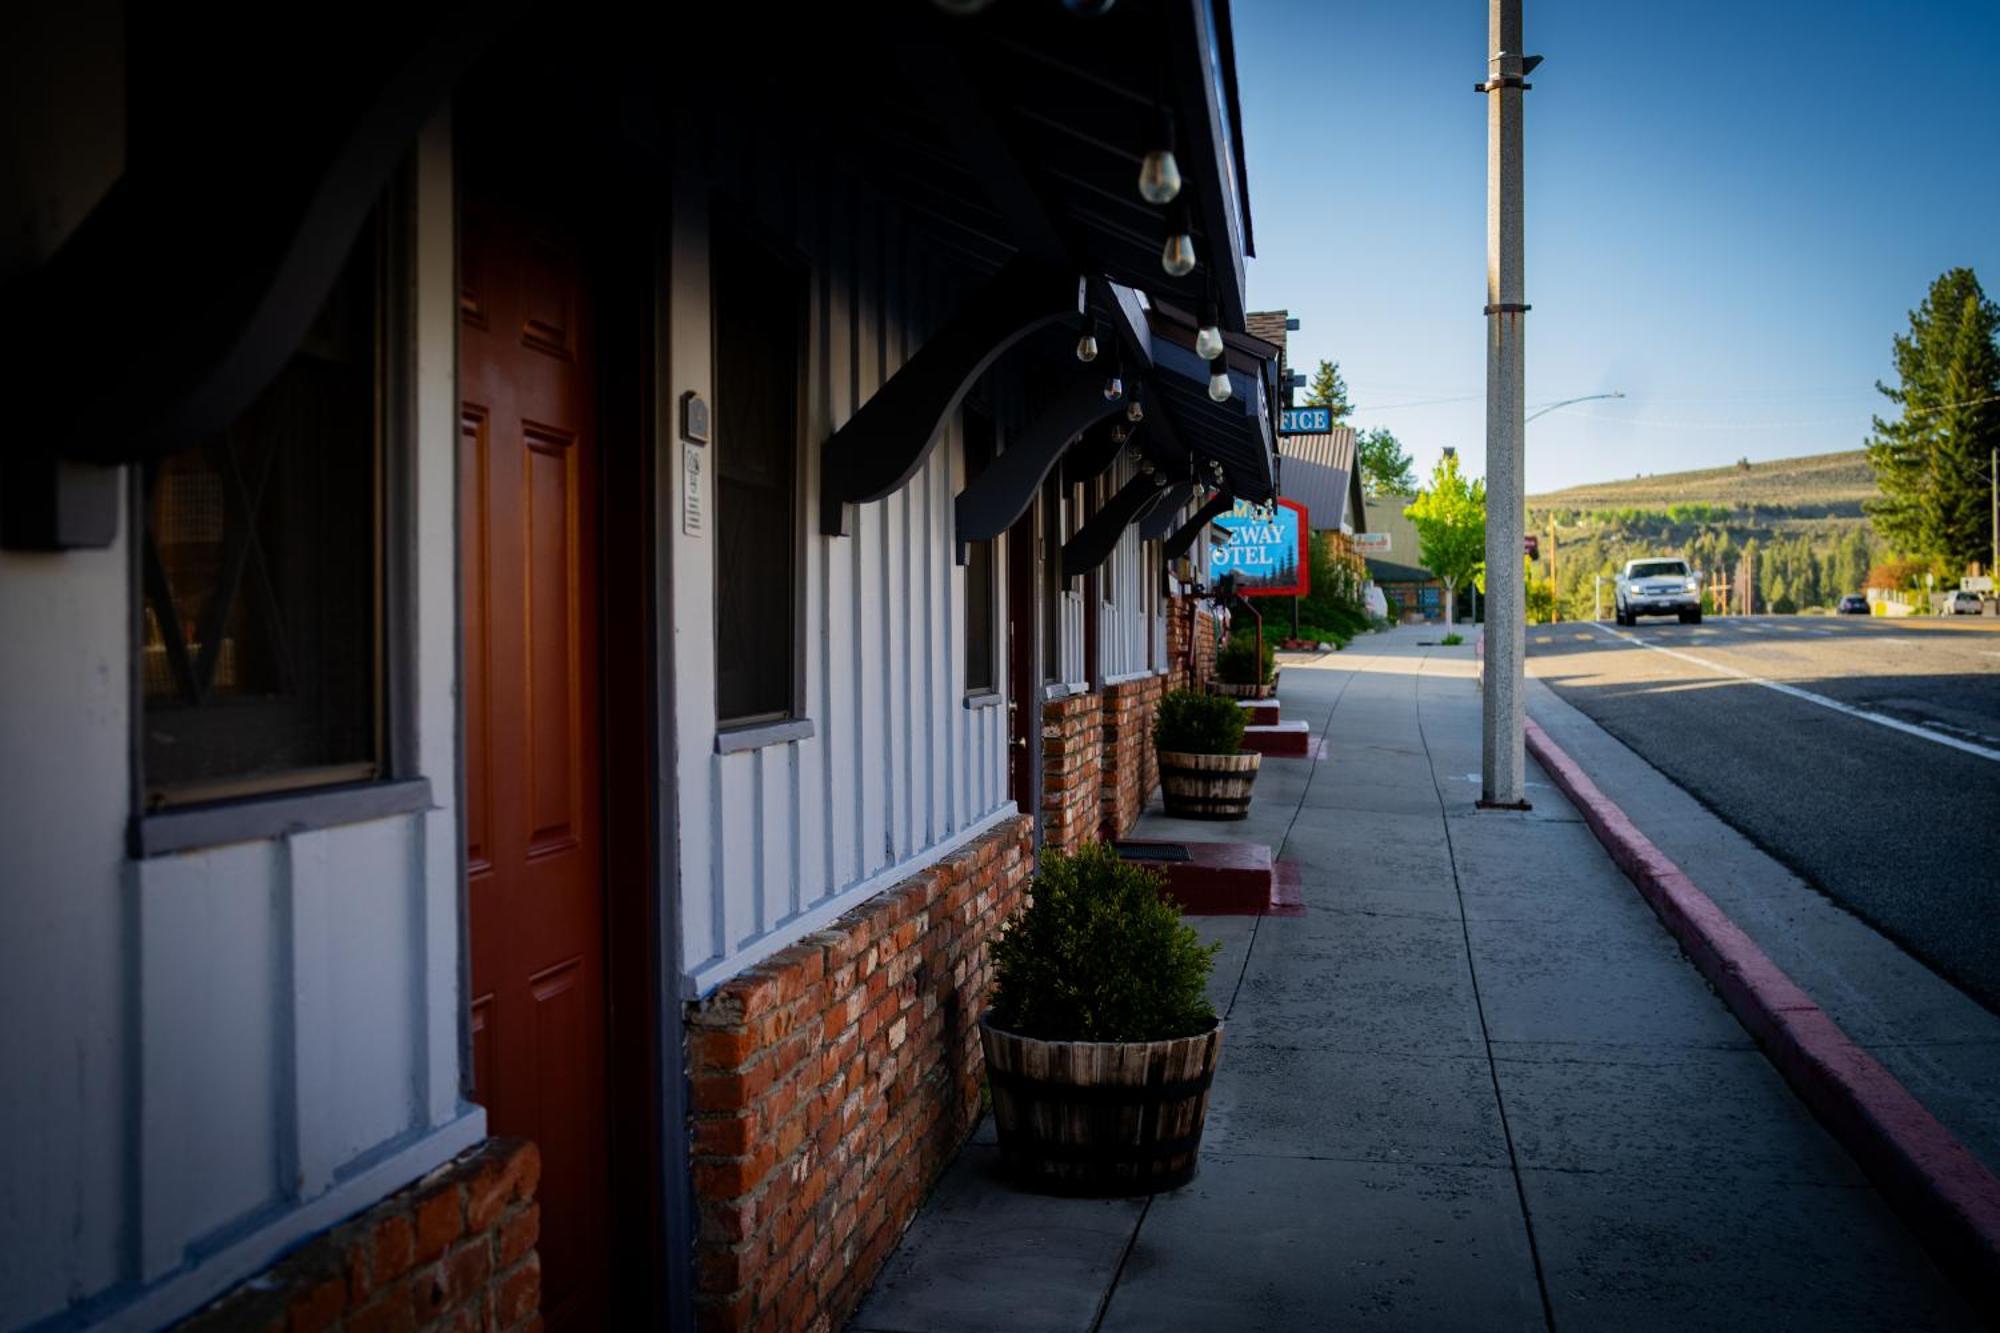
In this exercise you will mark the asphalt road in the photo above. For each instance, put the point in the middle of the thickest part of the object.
(1883, 790)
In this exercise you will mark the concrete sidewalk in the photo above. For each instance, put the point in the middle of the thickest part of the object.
(1476, 1086)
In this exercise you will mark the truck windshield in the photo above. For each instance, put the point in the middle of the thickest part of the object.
(1659, 569)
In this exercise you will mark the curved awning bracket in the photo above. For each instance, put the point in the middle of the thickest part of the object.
(1219, 504)
(1003, 492)
(884, 443)
(1097, 539)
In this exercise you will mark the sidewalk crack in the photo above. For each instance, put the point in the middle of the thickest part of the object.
(1479, 1004)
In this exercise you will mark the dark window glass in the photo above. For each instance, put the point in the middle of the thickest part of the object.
(759, 318)
(980, 671)
(261, 649)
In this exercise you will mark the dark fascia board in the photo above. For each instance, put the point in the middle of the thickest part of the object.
(1357, 504)
(1212, 160)
(1225, 35)
(1171, 322)
(251, 267)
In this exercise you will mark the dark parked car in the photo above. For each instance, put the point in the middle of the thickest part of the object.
(1854, 604)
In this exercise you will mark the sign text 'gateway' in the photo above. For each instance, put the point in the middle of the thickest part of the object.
(1266, 551)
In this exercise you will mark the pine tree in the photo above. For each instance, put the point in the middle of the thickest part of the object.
(1329, 390)
(1385, 468)
(1931, 462)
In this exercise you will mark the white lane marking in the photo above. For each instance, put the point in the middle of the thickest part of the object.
(1894, 724)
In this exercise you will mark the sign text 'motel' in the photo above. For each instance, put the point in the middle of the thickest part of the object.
(1266, 550)
(1305, 421)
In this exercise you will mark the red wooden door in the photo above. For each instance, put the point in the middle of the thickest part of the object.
(534, 854)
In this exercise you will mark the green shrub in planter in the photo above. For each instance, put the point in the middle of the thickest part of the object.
(1238, 664)
(1100, 955)
(1192, 723)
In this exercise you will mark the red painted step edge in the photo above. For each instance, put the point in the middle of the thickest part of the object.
(1942, 1191)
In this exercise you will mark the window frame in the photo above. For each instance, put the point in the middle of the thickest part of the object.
(303, 799)
(791, 723)
(995, 634)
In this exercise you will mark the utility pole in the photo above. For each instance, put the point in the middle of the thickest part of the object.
(1994, 568)
(1503, 762)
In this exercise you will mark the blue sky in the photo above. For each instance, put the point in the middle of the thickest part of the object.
(1731, 209)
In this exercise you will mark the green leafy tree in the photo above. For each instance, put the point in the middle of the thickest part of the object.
(1450, 518)
(1385, 468)
(1931, 462)
(1329, 390)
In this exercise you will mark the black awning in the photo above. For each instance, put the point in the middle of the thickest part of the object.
(247, 180)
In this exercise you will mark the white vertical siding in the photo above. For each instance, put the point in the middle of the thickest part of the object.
(778, 839)
(211, 1055)
(1126, 623)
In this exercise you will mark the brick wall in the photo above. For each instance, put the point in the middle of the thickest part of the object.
(833, 1081)
(1128, 769)
(455, 1251)
(1179, 674)
(1072, 744)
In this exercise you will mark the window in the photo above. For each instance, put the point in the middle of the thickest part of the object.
(759, 303)
(261, 644)
(1049, 526)
(980, 668)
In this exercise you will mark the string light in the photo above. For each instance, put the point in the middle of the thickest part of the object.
(1135, 411)
(1114, 389)
(1208, 338)
(1218, 380)
(1159, 174)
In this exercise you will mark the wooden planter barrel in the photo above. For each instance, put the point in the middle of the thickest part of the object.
(1207, 786)
(1233, 691)
(1098, 1117)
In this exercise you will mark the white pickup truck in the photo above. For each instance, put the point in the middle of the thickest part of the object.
(1658, 588)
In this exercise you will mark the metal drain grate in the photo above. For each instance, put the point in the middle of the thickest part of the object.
(1152, 851)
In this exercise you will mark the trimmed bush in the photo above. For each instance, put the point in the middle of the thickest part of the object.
(1237, 663)
(1100, 955)
(1192, 723)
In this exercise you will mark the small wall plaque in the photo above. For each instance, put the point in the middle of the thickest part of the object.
(694, 418)
(692, 485)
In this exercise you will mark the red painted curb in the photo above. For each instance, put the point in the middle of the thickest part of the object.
(1945, 1194)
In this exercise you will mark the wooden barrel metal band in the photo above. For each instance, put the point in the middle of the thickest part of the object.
(1129, 1094)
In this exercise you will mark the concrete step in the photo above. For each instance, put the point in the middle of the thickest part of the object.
(1259, 712)
(1280, 739)
(1220, 878)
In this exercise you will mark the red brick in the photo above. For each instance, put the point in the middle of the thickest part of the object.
(520, 1293)
(394, 1311)
(319, 1307)
(518, 1234)
(440, 1220)
(469, 1265)
(729, 1092)
(733, 1176)
(723, 1136)
(720, 1048)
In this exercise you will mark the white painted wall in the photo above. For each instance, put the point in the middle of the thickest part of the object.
(777, 841)
(208, 1056)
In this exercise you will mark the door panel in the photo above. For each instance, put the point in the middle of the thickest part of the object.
(534, 856)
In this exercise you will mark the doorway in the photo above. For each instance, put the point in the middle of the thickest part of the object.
(529, 459)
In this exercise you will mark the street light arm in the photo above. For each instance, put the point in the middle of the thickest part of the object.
(1587, 398)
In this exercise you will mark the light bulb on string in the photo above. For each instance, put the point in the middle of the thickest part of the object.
(1218, 380)
(1177, 255)
(1114, 389)
(1086, 347)
(1208, 338)
(1135, 411)
(1159, 174)
(1118, 434)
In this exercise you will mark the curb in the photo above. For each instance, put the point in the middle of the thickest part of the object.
(1944, 1193)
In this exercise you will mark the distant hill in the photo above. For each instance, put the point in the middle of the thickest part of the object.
(1799, 523)
(1822, 485)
